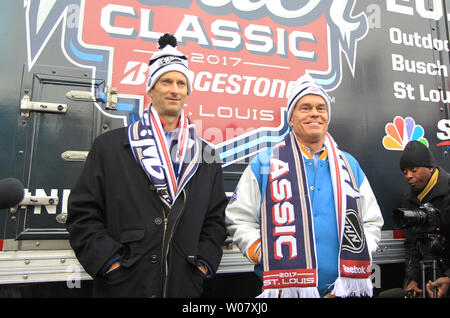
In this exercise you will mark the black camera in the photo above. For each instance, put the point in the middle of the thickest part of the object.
(424, 224)
(424, 220)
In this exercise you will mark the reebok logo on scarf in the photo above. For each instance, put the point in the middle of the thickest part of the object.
(355, 269)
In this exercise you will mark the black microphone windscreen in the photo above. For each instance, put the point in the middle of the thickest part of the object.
(11, 192)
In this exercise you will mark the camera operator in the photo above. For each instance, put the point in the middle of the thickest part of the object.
(429, 184)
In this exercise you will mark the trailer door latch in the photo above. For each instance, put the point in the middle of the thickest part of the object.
(39, 200)
(27, 105)
(109, 97)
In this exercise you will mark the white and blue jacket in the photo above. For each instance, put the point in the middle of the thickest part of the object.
(243, 211)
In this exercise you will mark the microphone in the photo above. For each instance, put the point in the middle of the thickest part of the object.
(11, 192)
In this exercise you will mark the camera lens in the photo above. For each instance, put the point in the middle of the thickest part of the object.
(405, 218)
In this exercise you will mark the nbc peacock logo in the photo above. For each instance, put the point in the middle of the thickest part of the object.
(401, 131)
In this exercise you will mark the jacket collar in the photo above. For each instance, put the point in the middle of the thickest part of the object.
(430, 185)
(434, 188)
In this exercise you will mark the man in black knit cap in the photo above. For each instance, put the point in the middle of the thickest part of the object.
(429, 184)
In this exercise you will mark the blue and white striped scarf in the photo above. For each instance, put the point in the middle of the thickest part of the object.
(151, 151)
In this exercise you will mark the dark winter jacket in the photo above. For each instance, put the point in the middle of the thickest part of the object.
(113, 209)
(417, 248)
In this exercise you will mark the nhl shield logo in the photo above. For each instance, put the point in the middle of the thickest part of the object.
(353, 240)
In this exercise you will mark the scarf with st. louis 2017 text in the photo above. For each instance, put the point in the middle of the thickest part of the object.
(287, 230)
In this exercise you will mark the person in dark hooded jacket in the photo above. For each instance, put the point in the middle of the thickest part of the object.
(429, 184)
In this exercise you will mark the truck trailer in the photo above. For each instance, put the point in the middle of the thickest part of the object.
(74, 69)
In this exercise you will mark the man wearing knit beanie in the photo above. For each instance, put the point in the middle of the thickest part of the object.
(417, 164)
(146, 217)
(169, 83)
(294, 192)
(429, 184)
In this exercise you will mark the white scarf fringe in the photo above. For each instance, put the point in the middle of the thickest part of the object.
(294, 292)
(351, 287)
(343, 287)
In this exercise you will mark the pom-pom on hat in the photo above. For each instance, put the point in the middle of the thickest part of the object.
(168, 59)
(416, 154)
(305, 85)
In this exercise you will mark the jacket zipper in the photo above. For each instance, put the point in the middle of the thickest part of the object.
(166, 263)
